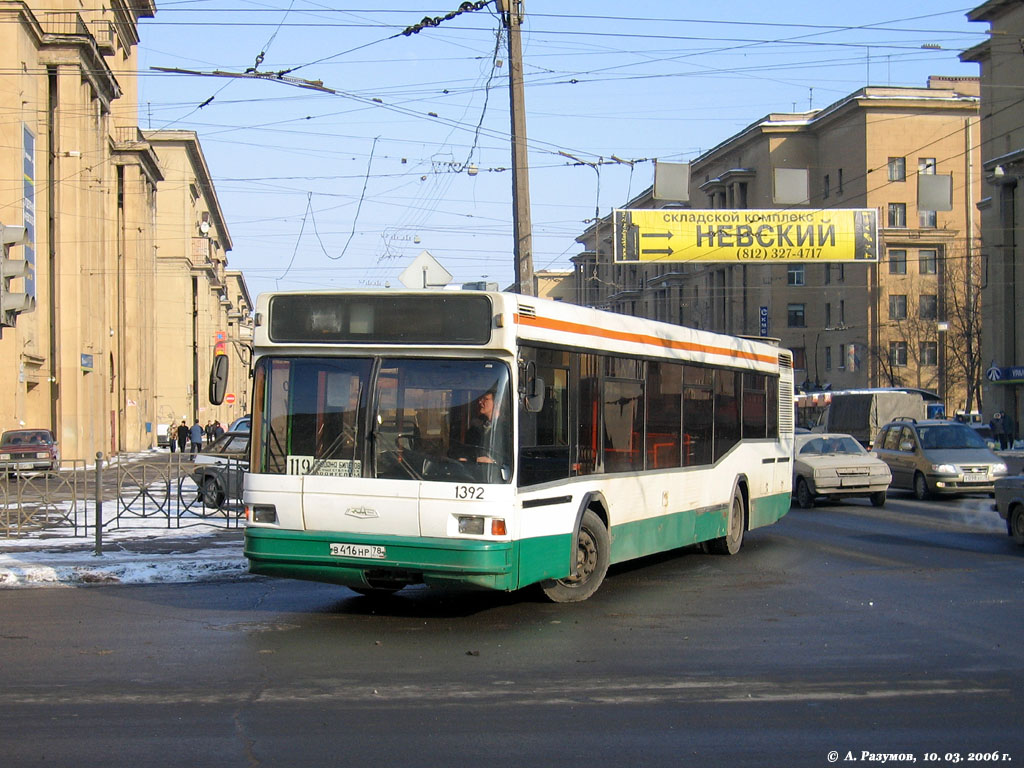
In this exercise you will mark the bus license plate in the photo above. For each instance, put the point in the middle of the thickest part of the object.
(365, 551)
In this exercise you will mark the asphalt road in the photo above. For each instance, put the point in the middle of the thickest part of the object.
(843, 629)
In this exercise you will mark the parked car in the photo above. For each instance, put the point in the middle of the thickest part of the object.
(1010, 503)
(29, 449)
(837, 466)
(241, 424)
(220, 469)
(935, 456)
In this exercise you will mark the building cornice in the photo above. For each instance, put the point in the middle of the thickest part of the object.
(129, 147)
(189, 141)
(64, 39)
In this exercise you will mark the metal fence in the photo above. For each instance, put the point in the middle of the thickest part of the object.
(129, 491)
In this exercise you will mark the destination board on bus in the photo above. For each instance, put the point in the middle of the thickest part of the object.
(431, 319)
(745, 236)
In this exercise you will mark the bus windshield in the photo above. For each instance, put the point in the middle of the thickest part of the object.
(432, 419)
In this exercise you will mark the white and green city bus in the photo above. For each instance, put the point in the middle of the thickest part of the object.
(496, 440)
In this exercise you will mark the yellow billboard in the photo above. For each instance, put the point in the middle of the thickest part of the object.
(745, 236)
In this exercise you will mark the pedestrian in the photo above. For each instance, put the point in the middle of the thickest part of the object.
(172, 436)
(218, 430)
(1009, 431)
(208, 431)
(196, 436)
(996, 425)
(182, 436)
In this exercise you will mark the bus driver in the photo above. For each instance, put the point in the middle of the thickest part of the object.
(479, 436)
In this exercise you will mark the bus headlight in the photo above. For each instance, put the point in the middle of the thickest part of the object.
(473, 526)
(263, 513)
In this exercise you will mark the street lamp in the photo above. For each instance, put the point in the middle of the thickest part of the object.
(942, 326)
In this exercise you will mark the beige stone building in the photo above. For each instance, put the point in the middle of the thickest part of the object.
(849, 325)
(1002, 204)
(92, 360)
(199, 303)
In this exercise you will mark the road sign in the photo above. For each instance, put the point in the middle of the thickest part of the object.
(745, 236)
(229, 398)
(425, 272)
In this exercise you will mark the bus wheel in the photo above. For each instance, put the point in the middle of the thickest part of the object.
(732, 541)
(593, 547)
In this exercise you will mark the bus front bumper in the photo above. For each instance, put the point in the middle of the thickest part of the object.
(362, 561)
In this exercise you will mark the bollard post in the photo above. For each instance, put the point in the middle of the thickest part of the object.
(99, 505)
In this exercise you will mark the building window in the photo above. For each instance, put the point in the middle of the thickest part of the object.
(842, 357)
(929, 353)
(795, 316)
(929, 307)
(795, 274)
(898, 354)
(839, 182)
(828, 315)
(929, 261)
(897, 262)
(897, 169)
(824, 186)
(898, 306)
(842, 311)
(897, 215)
(800, 358)
(828, 274)
(828, 358)
(926, 166)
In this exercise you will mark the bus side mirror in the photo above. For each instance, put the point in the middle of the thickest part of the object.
(533, 400)
(218, 379)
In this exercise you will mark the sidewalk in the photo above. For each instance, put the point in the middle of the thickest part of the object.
(137, 556)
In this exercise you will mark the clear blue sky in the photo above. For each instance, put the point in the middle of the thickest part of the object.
(343, 190)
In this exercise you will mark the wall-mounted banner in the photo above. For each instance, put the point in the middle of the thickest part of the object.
(745, 236)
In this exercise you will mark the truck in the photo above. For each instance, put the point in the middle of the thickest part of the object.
(863, 413)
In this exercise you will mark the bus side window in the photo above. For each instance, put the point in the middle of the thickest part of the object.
(544, 436)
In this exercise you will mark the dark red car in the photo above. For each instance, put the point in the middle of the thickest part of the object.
(28, 449)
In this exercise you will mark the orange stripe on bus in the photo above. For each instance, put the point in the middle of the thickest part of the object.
(637, 338)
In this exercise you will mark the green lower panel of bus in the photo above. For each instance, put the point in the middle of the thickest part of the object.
(364, 561)
(681, 529)
(359, 560)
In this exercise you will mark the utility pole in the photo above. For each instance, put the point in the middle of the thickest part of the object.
(512, 17)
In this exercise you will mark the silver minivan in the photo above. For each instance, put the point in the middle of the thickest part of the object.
(937, 457)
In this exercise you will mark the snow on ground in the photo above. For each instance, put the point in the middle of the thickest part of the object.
(143, 551)
(137, 556)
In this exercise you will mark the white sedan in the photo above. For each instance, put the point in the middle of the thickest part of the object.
(836, 466)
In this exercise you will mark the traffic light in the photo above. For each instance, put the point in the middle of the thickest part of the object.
(13, 304)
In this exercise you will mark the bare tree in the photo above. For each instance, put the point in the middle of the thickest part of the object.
(963, 338)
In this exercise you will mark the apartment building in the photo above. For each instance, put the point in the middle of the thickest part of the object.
(92, 360)
(909, 153)
(1002, 204)
(201, 307)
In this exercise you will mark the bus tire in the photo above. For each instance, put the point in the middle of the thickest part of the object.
(593, 551)
(732, 541)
